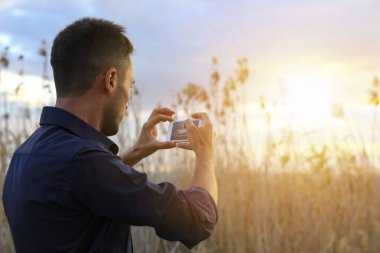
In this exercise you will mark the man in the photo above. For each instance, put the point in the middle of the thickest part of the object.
(66, 190)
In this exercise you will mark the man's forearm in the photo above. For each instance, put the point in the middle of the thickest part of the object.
(204, 175)
(132, 156)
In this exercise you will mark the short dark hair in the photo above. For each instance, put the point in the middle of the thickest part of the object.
(83, 50)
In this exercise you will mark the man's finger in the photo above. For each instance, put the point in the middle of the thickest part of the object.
(162, 110)
(154, 131)
(165, 144)
(199, 115)
(203, 116)
(157, 119)
(184, 145)
(189, 124)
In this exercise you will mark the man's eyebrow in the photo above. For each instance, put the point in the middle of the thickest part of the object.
(133, 81)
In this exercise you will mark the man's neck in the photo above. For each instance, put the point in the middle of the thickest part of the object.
(83, 108)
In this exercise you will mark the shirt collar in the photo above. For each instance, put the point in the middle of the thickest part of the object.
(57, 116)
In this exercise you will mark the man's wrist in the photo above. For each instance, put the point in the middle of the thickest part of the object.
(132, 156)
(205, 155)
(205, 161)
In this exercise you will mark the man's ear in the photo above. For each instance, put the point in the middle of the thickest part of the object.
(110, 80)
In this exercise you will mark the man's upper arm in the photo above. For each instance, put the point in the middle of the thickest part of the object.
(104, 185)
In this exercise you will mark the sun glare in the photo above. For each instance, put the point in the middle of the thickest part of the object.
(308, 96)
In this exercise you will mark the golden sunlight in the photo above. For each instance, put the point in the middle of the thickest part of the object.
(308, 96)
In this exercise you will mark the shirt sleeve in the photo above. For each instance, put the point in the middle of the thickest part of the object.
(104, 185)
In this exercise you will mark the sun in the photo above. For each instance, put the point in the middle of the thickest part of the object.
(308, 96)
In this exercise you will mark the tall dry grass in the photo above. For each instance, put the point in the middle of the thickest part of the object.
(323, 200)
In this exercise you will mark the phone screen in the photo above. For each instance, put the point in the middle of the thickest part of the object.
(177, 131)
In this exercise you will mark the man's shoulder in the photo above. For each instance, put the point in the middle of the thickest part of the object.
(55, 141)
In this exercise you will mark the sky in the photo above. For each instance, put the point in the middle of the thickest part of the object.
(334, 41)
(306, 54)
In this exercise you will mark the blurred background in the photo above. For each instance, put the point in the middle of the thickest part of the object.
(292, 88)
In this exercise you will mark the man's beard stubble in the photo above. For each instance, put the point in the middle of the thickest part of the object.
(111, 119)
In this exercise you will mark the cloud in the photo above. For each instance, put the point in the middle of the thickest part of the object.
(6, 4)
(175, 40)
(5, 40)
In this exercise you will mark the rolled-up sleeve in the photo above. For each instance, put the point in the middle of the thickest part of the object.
(102, 184)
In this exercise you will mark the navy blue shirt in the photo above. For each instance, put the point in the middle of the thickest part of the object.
(66, 190)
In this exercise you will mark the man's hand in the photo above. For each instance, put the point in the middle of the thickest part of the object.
(147, 143)
(202, 142)
(201, 139)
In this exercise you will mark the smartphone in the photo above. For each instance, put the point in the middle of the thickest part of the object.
(177, 130)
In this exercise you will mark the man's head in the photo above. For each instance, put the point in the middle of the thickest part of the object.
(93, 52)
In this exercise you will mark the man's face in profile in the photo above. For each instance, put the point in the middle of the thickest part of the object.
(116, 109)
